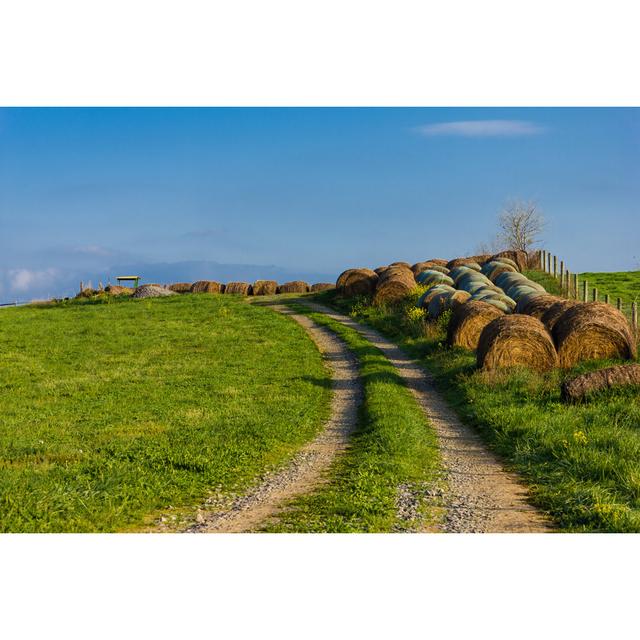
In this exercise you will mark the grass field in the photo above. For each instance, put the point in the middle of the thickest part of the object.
(624, 285)
(581, 462)
(112, 412)
(393, 449)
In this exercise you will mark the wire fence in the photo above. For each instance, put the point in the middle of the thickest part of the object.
(575, 288)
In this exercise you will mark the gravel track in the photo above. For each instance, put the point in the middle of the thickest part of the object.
(307, 469)
(481, 496)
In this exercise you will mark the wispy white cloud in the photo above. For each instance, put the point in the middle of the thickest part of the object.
(93, 250)
(23, 280)
(482, 128)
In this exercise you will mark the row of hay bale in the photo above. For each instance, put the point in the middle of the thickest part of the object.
(258, 288)
(563, 334)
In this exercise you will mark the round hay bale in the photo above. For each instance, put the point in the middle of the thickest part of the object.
(466, 262)
(533, 259)
(551, 315)
(622, 375)
(380, 270)
(321, 286)
(295, 286)
(433, 277)
(490, 294)
(516, 340)
(425, 298)
(265, 287)
(438, 261)
(393, 285)
(434, 265)
(493, 269)
(238, 288)
(457, 272)
(444, 301)
(499, 304)
(593, 331)
(467, 322)
(117, 290)
(357, 282)
(180, 287)
(508, 279)
(152, 291)
(400, 264)
(535, 304)
(519, 258)
(508, 261)
(520, 289)
(205, 286)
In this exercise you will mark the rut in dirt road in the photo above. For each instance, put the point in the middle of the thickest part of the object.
(307, 469)
(482, 496)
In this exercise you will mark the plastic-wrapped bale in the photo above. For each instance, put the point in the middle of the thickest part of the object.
(467, 322)
(321, 286)
(241, 288)
(553, 313)
(518, 290)
(152, 291)
(535, 304)
(444, 301)
(180, 287)
(516, 340)
(473, 283)
(622, 375)
(593, 331)
(429, 278)
(504, 260)
(205, 286)
(393, 285)
(466, 262)
(489, 295)
(498, 303)
(493, 269)
(428, 264)
(508, 279)
(265, 287)
(295, 286)
(457, 272)
(357, 282)
(519, 258)
(425, 298)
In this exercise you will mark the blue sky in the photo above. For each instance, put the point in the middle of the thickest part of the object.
(85, 193)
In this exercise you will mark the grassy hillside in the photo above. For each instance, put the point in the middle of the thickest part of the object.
(111, 412)
(581, 462)
(624, 285)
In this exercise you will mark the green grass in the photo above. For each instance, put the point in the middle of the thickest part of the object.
(624, 285)
(113, 412)
(392, 446)
(582, 463)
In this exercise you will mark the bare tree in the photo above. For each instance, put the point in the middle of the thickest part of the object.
(521, 225)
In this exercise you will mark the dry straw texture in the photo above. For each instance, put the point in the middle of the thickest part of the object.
(180, 287)
(536, 305)
(265, 287)
(579, 388)
(428, 264)
(446, 300)
(243, 288)
(393, 285)
(357, 282)
(593, 331)
(463, 262)
(551, 315)
(295, 286)
(205, 286)
(321, 286)
(467, 323)
(117, 290)
(516, 340)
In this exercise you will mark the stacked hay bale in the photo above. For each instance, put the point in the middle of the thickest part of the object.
(152, 291)
(264, 287)
(593, 331)
(622, 375)
(295, 286)
(553, 313)
(356, 282)
(467, 323)
(536, 305)
(519, 258)
(446, 301)
(466, 262)
(436, 265)
(206, 286)
(117, 290)
(431, 277)
(394, 284)
(321, 286)
(516, 340)
(180, 287)
(241, 288)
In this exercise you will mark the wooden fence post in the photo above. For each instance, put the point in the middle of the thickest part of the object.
(575, 286)
(585, 292)
(548, 262)
(81, 286)
(619, 304)
(606, 298)
(541, 259)
(595, 294)
(634, 316)
(562, 272)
